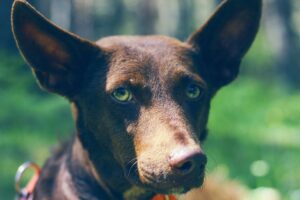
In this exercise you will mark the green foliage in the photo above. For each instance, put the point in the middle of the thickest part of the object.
(253, 121)
(30, 121)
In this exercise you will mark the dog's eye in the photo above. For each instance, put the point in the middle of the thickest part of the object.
(122, 94)
(193, 91)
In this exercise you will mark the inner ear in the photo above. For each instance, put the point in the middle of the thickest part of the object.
(225, 38)
(58, 58)
(52, 52)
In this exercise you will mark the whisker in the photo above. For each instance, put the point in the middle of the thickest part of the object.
(134, 162)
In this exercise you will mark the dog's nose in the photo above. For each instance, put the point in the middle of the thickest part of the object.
(184, 160)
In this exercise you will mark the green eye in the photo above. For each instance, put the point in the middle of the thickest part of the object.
(122, 94)
(193, 91)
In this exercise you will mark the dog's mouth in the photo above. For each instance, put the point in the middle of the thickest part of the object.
(164, 181)
(173, 187)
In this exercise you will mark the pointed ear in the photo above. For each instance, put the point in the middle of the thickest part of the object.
(58, 58)
(225, 38)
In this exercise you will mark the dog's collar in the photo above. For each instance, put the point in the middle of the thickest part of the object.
(164, 197)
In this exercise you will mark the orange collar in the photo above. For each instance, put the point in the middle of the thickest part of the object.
(164, 197)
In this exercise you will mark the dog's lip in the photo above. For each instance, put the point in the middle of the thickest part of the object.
(173, 189)
(167, 187)
(182, 187)
(163, 185)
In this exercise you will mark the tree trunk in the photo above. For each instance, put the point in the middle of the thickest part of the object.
(60, 12)
(82, 18)
(288, 57)
(146, 17)
(186, 19)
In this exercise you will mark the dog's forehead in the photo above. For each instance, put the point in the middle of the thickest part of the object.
(139, 59)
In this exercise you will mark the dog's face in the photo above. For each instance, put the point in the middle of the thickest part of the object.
(152, 103)
(145, 98)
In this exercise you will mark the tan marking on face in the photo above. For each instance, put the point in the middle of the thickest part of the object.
(156, 139)
(132, 79)
(74, 111)
(181, 138)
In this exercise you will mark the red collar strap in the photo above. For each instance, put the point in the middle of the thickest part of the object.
(164, 197)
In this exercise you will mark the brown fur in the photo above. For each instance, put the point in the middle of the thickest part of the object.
(151, 144)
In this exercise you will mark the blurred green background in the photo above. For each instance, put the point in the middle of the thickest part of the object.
(254, 123)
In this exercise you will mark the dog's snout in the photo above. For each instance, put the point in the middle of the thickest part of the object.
(185, 160)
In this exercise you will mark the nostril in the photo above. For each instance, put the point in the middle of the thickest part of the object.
(185, 167)
(184, 160)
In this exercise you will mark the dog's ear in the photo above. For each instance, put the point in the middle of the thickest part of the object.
(225, 38)
(58, 58)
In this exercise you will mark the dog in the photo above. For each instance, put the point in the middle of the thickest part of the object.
(140, 103)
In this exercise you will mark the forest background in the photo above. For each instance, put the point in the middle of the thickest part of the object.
(254, 123)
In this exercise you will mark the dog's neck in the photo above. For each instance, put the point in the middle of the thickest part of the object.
(96, 181)
(97, 167)
(94, 175)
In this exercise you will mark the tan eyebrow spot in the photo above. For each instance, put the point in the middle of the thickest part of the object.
(179, 73)
(131, 79)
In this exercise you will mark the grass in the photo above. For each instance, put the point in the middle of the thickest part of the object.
(254, 130)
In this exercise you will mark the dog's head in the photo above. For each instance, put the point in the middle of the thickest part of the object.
(144, 98)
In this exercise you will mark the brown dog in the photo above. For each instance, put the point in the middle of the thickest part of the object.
(140, 103)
